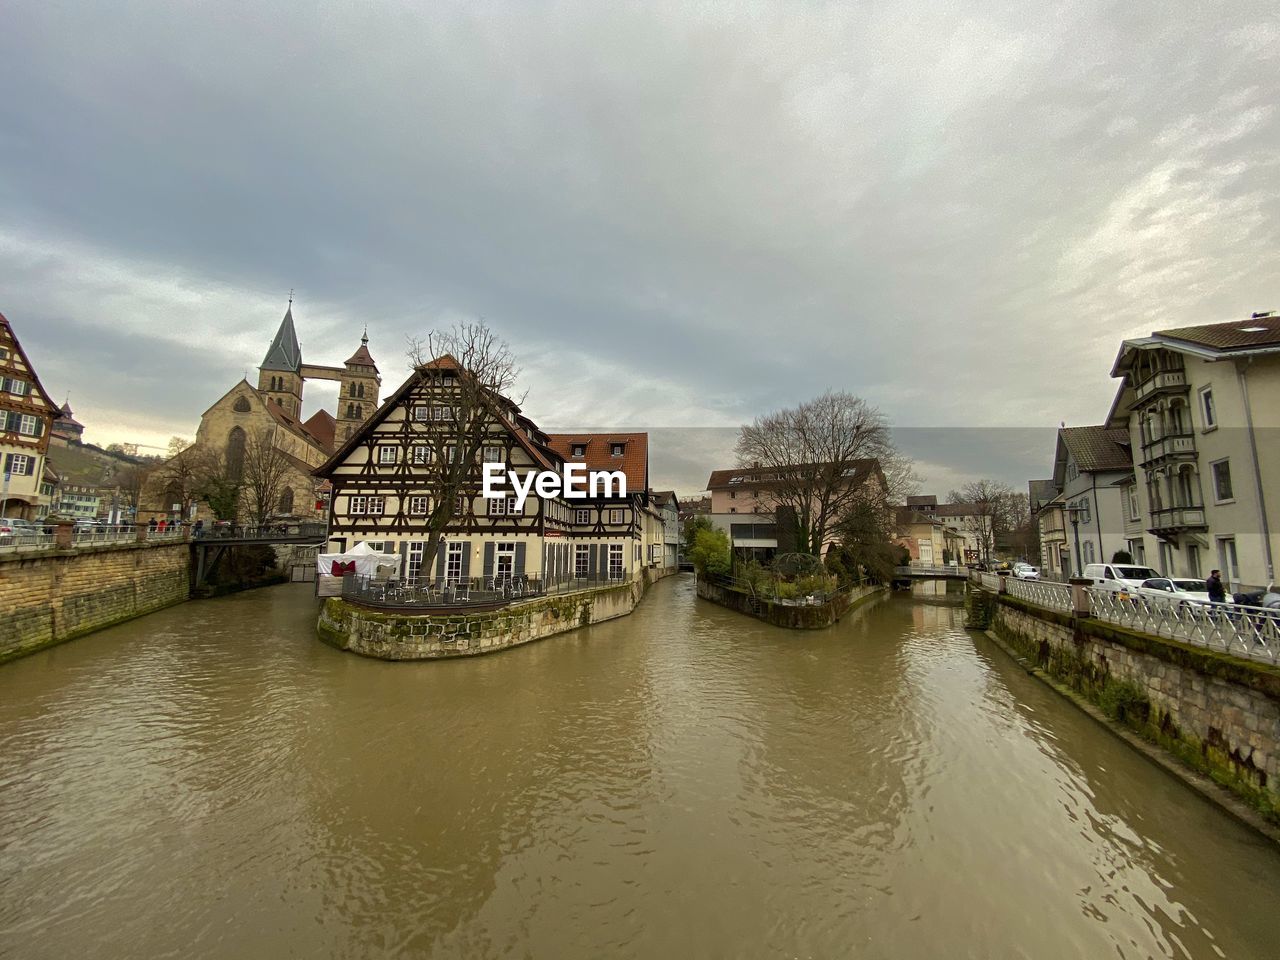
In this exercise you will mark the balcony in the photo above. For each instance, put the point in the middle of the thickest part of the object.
(1173, 520)
(1167, 381)
(1181, 445)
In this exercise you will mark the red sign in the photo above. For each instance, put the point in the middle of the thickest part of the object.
(552, 534)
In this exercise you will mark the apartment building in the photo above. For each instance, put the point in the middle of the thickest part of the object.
(26, 418)
(1201, 409)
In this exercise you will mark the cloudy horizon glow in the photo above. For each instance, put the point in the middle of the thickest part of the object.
(679, 216)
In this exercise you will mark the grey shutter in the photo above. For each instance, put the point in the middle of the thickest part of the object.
(404, 559)
(520, 559)
(8, 462)
(488, 559)
(591, 561)
(442, 570)
(39, 427)
(466, 559)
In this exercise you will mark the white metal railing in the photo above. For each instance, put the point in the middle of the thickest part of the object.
(10, 542)
(1054, 596)
(932, 570)
(991, 581)
(1243, 631)
(103, 534)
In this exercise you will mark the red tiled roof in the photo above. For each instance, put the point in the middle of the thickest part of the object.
(322, 427)
(634, 462)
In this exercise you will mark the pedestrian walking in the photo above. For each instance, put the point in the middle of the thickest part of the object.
(151, 525)
(198, 530)
(1217, 592)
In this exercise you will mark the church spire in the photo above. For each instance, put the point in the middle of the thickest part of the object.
(284, 353)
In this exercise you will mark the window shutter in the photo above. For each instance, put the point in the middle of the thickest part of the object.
(591, 561)
(488, 559)
(442, 570)
(8, 462)
(466, 559)
(520, 548)
(39, 427)
(404, 559)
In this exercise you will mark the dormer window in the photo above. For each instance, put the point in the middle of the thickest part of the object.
(579, 449)
(617, 449)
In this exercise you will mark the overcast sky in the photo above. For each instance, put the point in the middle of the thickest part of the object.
(679, 216)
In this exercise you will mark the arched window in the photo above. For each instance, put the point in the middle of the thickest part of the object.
(360, 388)
(286, 500)
(359, 412)
(241, 405)
(235, 453)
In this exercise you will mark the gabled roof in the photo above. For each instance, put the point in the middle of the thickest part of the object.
(1097, 448)
(1255, 333)
(1211, 341)
(908, 517)
(634, 462)
(322, 428)
(766, 478)
(1040, 492)
(284, 353)
(26, 362)
(924, 501)
(444, 362)
(663, 497)
(290, 422)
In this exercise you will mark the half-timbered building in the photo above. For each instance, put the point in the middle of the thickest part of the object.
(26, 416)
(387, 479)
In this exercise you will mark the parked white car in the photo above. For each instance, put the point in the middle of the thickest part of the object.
(1175, 590)
(1120, 577)
(1025, 571)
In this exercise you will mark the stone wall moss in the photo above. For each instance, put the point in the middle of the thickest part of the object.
(1063, 658)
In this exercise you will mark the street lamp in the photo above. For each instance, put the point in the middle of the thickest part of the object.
(1073, 514)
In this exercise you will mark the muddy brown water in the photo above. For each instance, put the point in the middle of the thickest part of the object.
(211, 781)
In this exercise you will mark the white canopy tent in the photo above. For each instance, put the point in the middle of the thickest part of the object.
(366, 561)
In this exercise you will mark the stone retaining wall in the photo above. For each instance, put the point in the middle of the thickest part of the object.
(49, 596)
(1220, 715)
(397, 635)
(788, 615)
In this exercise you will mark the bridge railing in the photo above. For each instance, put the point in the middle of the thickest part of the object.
(1234, 628)
(1054, 596)
(931, 570)
(265, 531)
(104, 533)
(465, 592)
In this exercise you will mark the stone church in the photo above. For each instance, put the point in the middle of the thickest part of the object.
(271, 413)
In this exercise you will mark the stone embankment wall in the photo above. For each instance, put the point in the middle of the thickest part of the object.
(398, 635)
(50, 596)
(789, 615)
(1219, 715)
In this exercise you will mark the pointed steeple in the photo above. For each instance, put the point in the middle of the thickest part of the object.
(362, 357)
(285, 354)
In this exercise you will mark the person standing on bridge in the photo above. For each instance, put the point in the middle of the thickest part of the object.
(151, 525)
(197, 529)
(1217, 592)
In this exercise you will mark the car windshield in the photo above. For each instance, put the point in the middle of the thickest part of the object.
(1136, 573)
(1192, 586)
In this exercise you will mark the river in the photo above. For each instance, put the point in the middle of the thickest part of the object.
(212, 781)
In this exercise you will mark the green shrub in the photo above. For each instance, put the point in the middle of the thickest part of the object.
(711, 553)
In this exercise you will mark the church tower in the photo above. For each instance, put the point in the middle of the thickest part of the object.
(280, 375)
(358, 391)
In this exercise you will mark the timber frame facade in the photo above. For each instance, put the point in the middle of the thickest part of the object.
(387, 477)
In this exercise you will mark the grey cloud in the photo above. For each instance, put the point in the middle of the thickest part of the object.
(955, 212)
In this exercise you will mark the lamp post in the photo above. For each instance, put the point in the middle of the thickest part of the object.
(1073, 514)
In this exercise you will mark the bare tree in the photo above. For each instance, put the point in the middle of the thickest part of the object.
(177, 445)
(820, 460)
(469, 371)
(988, 502)
(264, 474)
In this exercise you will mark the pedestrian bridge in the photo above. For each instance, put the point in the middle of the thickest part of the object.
(210, 545)
(916, 571)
